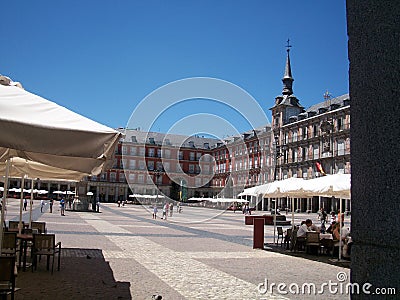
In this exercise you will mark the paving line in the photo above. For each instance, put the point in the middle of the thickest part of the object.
(189, 277)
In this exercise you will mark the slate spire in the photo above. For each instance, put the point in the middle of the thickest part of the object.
(287, 78)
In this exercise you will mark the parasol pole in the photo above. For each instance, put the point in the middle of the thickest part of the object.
(30, 205)
(340, 229)
(20, 204)
(292, 212)
(3, 206)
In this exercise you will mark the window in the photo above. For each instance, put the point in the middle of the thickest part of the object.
(150, 151)
(121, 177)
(340, 168)
(315, 130)
(180, 154)
(142, 151)
(167, 153)
(191, 156)
(304, 153)
(305, 173)
(198, 155)
(304, 133)
(141, 178)
(340, 124)
(294, 136)
(141, 165)
(316, 151)
(132, 164)
(131, 177)
(112, 176)
(124, 150)
(159, 166)
(191, 169)
(340, 147)
(150, 165)
(133, 151)
(124, 163)
(294, 155)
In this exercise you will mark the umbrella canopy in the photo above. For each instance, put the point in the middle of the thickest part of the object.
(337, 185)
(39, 130)
(19, 167)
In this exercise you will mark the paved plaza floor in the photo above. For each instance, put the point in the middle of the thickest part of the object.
(122, 253)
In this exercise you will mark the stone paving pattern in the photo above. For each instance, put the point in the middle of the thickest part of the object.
(121, 253)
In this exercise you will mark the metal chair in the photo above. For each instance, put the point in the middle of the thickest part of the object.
(313, 240)
(9, 245)
(44, 244)
(7, 276)
(280, 234)
(288, 237)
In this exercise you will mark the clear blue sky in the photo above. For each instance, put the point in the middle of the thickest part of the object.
(101, 58)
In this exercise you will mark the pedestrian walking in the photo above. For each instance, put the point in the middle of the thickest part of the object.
(171, 209)
(165, 211)
(41, 205)
(155, 210)
(51, 205)
(98, 206)
(62, 206)
(25, 203)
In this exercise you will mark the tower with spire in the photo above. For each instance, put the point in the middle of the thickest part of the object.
(286, 104)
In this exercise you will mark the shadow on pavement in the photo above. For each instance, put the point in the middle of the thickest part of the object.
(84, 274)
(324, 258)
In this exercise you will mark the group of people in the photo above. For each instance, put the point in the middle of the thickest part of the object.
(336, 228)
(168, 209)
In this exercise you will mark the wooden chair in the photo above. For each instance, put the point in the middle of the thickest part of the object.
(7, 276)
(14, 224)
(280, 234)
(40, 226)
(313, 240)
(44, 244)
(9, 244)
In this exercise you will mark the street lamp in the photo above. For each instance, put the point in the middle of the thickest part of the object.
(157, 173)
(274, 210)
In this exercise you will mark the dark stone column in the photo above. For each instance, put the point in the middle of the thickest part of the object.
(374, 54)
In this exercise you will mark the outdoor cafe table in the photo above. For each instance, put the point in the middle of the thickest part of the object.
(24, 238)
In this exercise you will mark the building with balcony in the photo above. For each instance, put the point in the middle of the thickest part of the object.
(300, 142)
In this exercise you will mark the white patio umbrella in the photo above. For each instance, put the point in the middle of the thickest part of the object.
(39, 130)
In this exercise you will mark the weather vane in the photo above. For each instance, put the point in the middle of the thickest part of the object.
(288, 46)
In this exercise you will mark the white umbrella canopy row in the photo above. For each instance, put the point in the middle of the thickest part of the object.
(337, 185)
(218, 200)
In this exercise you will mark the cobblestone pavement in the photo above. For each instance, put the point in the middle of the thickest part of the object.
(198, 254)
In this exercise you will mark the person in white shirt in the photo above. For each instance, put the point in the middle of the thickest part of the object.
(302, 232)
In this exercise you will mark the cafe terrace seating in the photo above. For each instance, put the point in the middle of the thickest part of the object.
(9, 244)
(280, 234)
(39, 226)
(313, 240)
(44, 244)
(7, 276)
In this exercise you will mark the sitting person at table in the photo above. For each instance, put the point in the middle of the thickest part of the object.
(331, 227)
(340, 233)
(306, 226)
